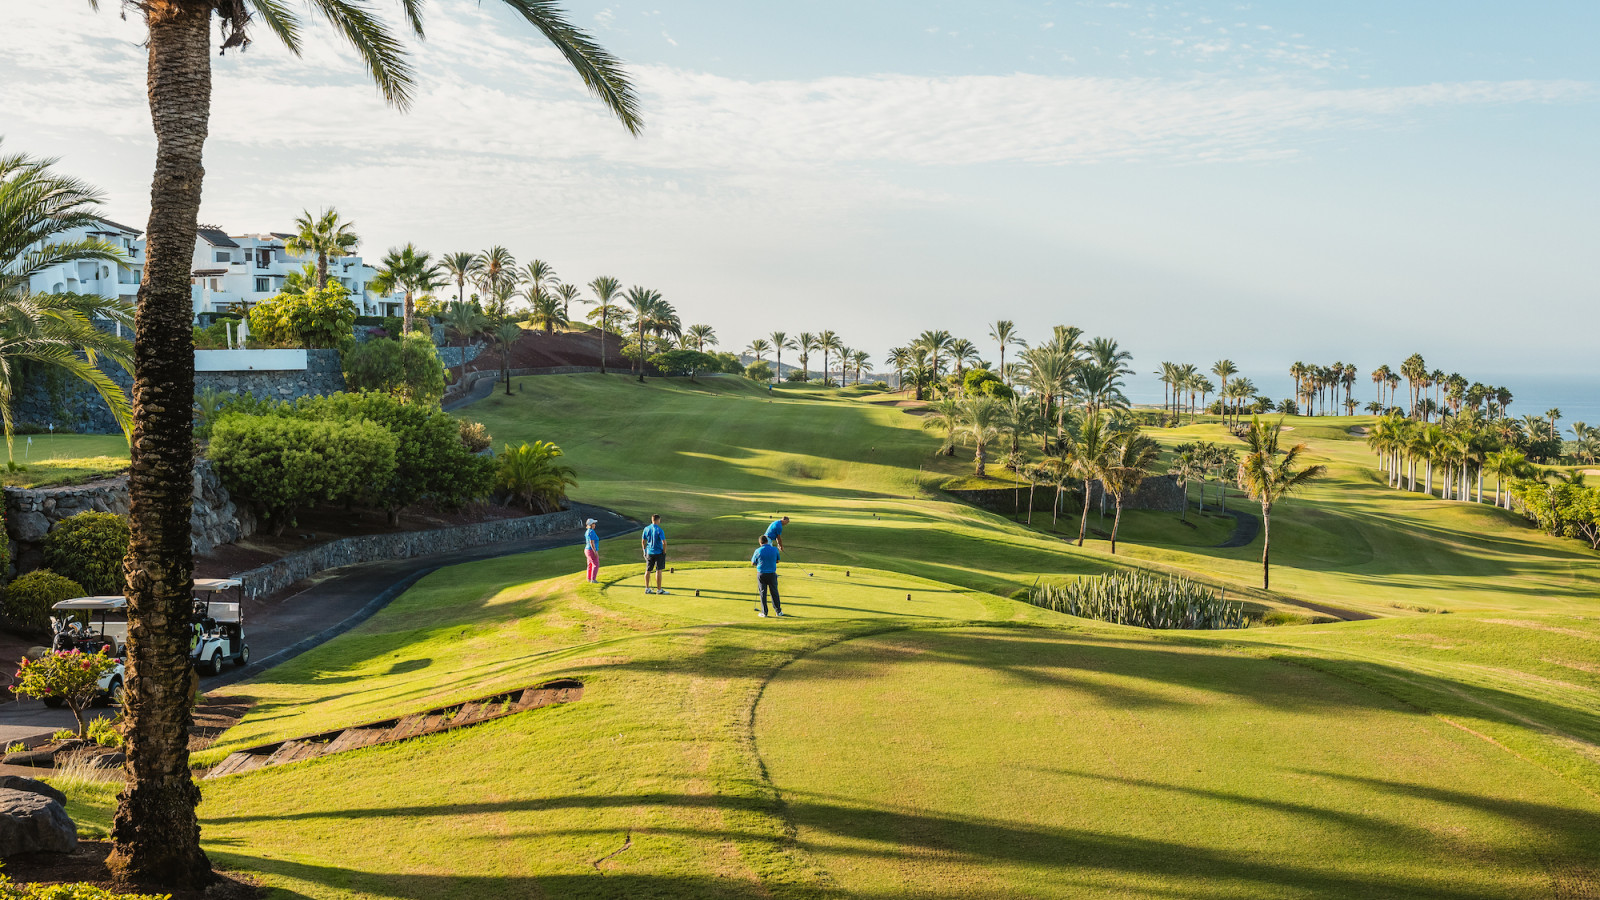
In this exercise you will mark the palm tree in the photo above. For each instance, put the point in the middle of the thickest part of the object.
(54, 331)
(467, 323)
(605, 290)
(982, 419)
(506, 335)
(538, 278)
(808, 343)
(1050, 376)
(567, 293)
(327, 236)
(1132, 456)
(962, 351)
(1004, 333)
(780, 342)
(1088, 457)
(859, 359)
(155, 833)
(463, 267)
(1506, 466)
(899, 358)
(1224, 369)
(758, 348)
(497, 268)
(1188, 466)
(945, 415)
(828, 342)
(547, 311)
(935, 342)
(411, 271)
(1269, 475)
(701, 335)
(651, 314)
(1380, 377)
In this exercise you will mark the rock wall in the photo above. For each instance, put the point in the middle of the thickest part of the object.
(450, 355)
(51, 398)
(1158, 492)
(281, 573)
(31, 513)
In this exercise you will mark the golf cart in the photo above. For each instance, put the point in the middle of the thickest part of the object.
(77, 628)
(218, 626)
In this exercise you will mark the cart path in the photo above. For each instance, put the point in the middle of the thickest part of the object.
(324, 607)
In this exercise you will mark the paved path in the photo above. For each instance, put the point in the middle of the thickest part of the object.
(326, 606)
(1245, 528)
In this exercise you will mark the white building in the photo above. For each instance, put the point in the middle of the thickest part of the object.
(234, 272)
(101, 279)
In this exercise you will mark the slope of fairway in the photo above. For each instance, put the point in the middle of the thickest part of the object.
(710, 593)
(982, 762)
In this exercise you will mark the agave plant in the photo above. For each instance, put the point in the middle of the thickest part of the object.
(1142, 599)
(530, 475)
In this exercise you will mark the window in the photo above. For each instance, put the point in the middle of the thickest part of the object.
(263, 285)
(224, 256)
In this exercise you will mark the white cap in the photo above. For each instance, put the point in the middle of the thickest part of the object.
(590, 522)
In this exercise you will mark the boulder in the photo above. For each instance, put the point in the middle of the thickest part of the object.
(34, 823)
(32, 786)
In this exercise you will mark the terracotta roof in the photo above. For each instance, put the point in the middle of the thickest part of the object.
(215, 237)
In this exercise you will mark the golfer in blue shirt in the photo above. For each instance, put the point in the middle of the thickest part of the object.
(654, 543)
(775, 533)
(765, 559)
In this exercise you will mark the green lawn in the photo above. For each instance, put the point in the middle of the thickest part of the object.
(957, 744)
(65, 458)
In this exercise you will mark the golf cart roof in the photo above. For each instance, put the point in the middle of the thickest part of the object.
(208, 585)
(93, 603)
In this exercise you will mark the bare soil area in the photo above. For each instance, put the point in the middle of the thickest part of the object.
(87, 865)
(537, 350)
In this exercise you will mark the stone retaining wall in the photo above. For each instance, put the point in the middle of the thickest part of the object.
(280, 574)
(31, 513)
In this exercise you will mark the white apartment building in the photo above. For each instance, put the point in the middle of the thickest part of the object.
(234, 272)
(100, 279)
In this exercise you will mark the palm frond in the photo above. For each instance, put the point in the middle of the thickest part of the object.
(380, 51)
(601, 72)
(280, 21)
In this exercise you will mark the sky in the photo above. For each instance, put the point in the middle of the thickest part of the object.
(1267, 182)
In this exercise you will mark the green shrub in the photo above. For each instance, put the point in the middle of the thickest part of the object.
(408, 368)
(685, 362)
(279, 465)
(431, 462)
(89, 548)
(475, 436)
(796, 375)
(321, 317)
(1141, 599)
(758, 371)
(30, 596)
(531, 475)
(103, 731)
(729, 363)
(9, 890)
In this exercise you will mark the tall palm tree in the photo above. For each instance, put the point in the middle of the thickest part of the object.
(537, 278)
(1506, 466)
(701, 335)
(780, 342)
(497, 268)
(506, 335)
(155, 833)
(899, 358)
(605, 290)
(651, 314)
(808, 343)
(466, 323)
(1050, 375)
(54, 331)
(1224, 369)
(1270, 474)
(411, 271)
(1132, 456)
(463, 267)
(1004, 333)
(758, 348)
(328, 236)
(1089, 455)
(1188, 466)
(547, 311)
(860, 359)
(1380, 377)
(828, 342)
(935, 342)
(962, 351)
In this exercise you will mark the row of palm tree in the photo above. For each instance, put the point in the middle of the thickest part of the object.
(1452, 393)
(1462, 448)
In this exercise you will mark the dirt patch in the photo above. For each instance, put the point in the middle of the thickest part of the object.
(1591, 471)
(537, 350)
(87, 865)
(1360, 430)
(212, 717)
(319, 526)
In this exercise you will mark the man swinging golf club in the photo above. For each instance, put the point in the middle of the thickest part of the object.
(654, 543)
(775, 533)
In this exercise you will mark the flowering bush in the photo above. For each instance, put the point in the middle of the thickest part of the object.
(71, 676)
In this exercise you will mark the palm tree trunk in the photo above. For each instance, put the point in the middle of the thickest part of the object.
(1480, 482)
(322, 270)
(155, 831)
(1083, 525)
(405, 324)
(1030, 496)
(979, 457)
(1114, 525)
(1266, 546)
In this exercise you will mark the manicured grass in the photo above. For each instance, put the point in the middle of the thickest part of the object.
(1005, 762)
(959, 745)
(65, 458)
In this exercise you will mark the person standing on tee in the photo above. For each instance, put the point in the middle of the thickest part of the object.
(591, 549)
(765, 559)
(775, 533)
(654, 543)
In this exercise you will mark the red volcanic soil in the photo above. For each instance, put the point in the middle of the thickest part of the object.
(537, 350)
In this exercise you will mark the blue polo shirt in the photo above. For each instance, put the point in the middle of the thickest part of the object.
(655, 540)
(765, 559)
(591, 540)
(775, 530)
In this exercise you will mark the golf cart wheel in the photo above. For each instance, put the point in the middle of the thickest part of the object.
(112, 696)
(244, 655)
(55, 702)
(216, 663)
